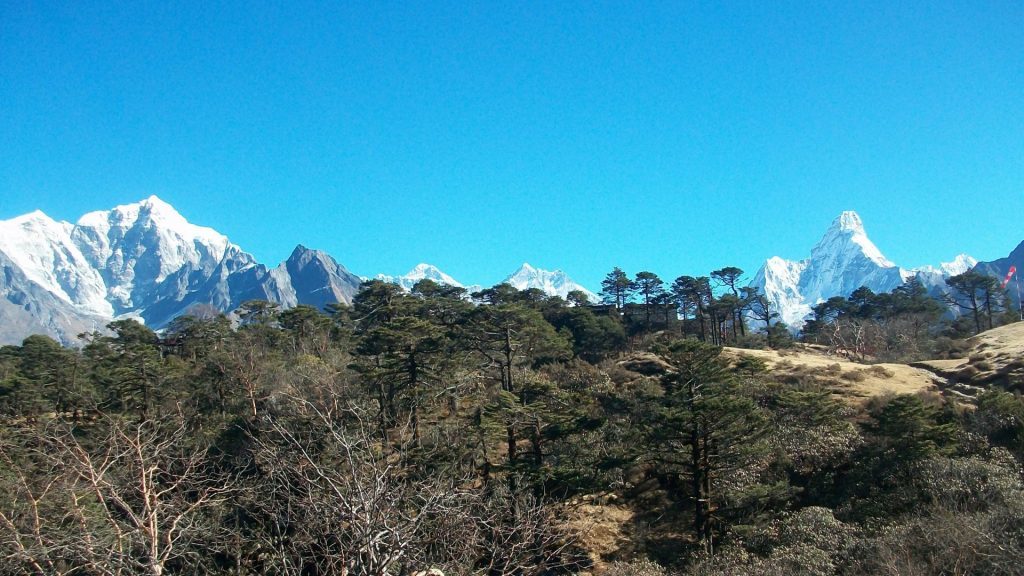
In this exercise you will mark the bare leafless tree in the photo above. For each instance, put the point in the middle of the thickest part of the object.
(342, 505)
(132, 499)
(520, 536)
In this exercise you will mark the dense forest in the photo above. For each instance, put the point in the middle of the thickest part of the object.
(508, 432)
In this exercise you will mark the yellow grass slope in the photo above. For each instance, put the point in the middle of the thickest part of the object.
(850, 380)
(995, 357)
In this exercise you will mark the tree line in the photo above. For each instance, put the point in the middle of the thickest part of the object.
(433, 429)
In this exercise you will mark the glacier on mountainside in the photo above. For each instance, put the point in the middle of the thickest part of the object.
(141, 260)
(44, 251)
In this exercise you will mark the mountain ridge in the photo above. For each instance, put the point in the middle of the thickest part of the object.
(843, 260)
(145, 260)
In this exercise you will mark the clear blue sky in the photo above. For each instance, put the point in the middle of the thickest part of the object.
(676, 137)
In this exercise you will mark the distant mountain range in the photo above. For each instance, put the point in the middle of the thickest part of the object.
(424, 272)
(144, 260)
(552, 283)
(843, 260)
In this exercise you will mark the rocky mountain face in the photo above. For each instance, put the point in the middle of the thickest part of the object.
(317, 279)
(26, 307)
(843, 260)
(1001, 267)
(142, 260)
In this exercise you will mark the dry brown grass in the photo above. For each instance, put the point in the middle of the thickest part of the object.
(850, 380)
(995, 357)
(603, 530)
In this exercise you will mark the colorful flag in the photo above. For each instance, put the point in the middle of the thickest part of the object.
(1013, 270)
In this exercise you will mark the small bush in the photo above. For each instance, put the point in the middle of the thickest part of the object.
(880, 372)
(967, 372)
(635, 568)
(982, 365)
(854, 376)
(752, 342)
(751, 365)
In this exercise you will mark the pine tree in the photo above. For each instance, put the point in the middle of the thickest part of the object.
(730, 278)
(402, 361)
(616, 288)
(694, 295)
(703, 429)
(975, 293)
(650, 288)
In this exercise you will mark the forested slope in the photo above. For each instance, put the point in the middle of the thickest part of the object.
(510, 434)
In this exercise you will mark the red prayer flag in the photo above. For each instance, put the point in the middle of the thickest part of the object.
(1013, 270)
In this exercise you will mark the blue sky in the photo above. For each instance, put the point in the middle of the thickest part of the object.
(674, 137)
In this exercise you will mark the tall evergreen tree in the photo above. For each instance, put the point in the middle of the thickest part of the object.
(975, 293)
(404, 358)
(730, 278)
(704, 429)
(761, 307)
(694, 295)
(650, 288)
(616, 288)
(128, 366)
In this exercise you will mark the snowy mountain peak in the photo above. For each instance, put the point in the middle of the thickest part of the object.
(154, 213)
(37, 216)
(552, 283)
(962, 263)
(933, 278)
(845, 259)
(425, 271)
(527, 276)
(136, 246)
(849, 221)
(847, 239)
(421, 271)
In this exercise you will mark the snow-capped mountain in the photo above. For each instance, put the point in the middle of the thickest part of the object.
(146, 261)
(843, 260)
(43, 251)
(155, 264)
(556, 283)
(419, 272)
(962, 263)
(142, 260)
(934, 277)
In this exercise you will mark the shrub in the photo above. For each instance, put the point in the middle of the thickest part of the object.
(853, 376)
(635, 568)
(880, 371)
